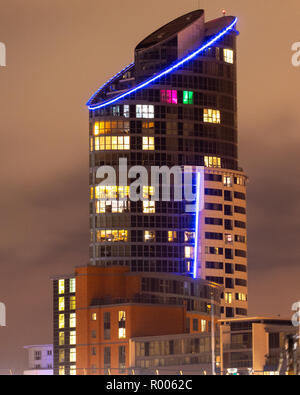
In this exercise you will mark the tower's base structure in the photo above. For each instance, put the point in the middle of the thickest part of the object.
(161, 276)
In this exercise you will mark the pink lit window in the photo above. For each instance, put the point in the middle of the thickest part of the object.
(168, 96)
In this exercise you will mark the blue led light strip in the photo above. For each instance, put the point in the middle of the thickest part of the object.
(167, 71)
(197, 215)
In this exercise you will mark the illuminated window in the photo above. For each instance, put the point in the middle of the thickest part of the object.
(148, 143)
(228, 297)
(61, 356)
(189, 252)
(91, 144)
(106, 192)
(241, 296)
(72, 354)
(211, 116)
(228, 238)
(72, 285)
(111, 206)
(168, 96)
(144, 111)
(149, 235)
(61, 338)
(61, 321)
(212, 161)
(92, 193)
(61, 370)
(148, 191)
(188, 97)
(112, 143)
(96, 129)
(61, 286)
(172, 235)
(73, 337)
(122, 324)
(227, 181)
(111, 235)
(72, 302)
(228, 55)
(126, 111)
(148, 207)
(203, 326)
(94, 316)
(189, 237)
(148, 126)
(61, 303)
(72, 370)
(73, 320)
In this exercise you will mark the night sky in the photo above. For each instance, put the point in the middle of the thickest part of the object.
(58, 53)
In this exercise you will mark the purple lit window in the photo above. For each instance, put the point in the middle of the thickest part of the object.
(168, 96)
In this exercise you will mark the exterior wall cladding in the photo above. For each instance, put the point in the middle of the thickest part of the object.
(187, 117)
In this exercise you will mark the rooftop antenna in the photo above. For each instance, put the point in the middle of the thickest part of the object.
(224, 12)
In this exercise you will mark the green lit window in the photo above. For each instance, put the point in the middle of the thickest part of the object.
(188, 97)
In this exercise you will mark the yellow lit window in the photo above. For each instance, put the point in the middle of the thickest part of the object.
(61, 303)
(72, 370)
(228, 297)
(72, 302)
(242, 297)
(122, 324)
(61, 370)
(111, 192)
(203, 326)
(92, 193)
(61, 321)
(148, 207)
(61, 356)
(148, 191)
(112, 143)
(189, 252)
(227, 181)
(111, 206)
(212, 161)
(149, 235)
(61, 286)
(73, 320)
(61, 338)
(72, 354)
(112, 235)
(94, 316)
(211, 116)
(148, 125)
(172, 235)
(228, 55)
(73, 337)
(148, 143)
(91, 144)
(122, 333)
(72, 285)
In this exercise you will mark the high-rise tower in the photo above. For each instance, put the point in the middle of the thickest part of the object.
(174, 106)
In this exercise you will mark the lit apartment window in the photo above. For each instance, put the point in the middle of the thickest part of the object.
(211, 116)
(241, 296)
(73, 337)
(112, 143)
(73, 320)
(228, 297)
(189, 252)
(148, 143)
(188, 97)
(144, 111)
(72, 370)
(61, 338)
(203, 325)
(61, 356)
(227, 181)
(61, 370)
(96, 128)
(91, 144)
(228, 55)
(111, 235)
(148, 126)
(72, 302)
(94, 316)
(149, 235)
(111, 206)
(61, 303)
(72, 285)
(148, 207)
(111, 192)
(61, 286)
(172, 235)
(122, 324)
(228, 238)
(92, 193)
(126, 111)
(168, 96)
(212, 161)
(61, 321)
(72, 354)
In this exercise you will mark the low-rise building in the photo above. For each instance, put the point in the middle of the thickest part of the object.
(40, 360)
